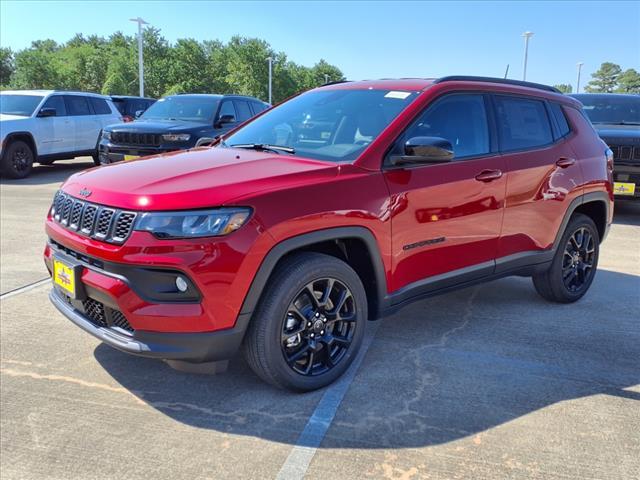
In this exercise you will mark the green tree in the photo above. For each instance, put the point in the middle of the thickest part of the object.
(156, 62)
(36, 68)
(323, 72)
(246, 68)
(629, 82)
(187, 68)
(564, 87)
(6, 65)
(605, 79)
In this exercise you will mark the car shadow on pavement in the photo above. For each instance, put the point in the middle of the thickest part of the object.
(45, 174)
(439, 370)
(627, 212)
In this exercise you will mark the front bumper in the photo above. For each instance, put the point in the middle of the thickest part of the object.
(111, 153)
(193, 347)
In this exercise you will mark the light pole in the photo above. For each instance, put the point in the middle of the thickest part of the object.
(270, 60)
(579, 65)
(326, 78)
(527, 36)
(140, 22)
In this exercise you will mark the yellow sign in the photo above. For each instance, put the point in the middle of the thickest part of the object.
(620, 188)
(130, 157)
(63, 276)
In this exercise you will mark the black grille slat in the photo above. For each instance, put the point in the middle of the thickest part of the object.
(88, 218)
(103, 223)
(76, 214)
(123, 226)
(94, 310)
(119, 320)
(625, 153)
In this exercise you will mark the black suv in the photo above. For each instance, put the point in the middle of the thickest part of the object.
(616, 118)
(178, 122)
(131, 107)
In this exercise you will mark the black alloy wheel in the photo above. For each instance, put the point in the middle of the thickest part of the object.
(318, 327)
(578, 260)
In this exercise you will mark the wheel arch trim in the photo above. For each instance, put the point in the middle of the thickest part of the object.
(11, 136)
(289, 245)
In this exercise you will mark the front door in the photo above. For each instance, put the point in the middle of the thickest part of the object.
(446, 218)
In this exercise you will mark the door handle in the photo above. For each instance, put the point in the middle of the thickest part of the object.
(489, 175)
(564, 162)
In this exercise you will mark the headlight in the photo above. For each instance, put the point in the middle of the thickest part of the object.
(193, 224)
(106, 135)
(176, 137)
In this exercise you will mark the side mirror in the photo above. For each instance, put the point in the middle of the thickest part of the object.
(424, 150)
(138, 113)
(47, 112)
(225, 119)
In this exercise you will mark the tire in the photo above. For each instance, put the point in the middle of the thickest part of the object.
(286, 314)
(96, 159)
(574, 264)
(17, 161)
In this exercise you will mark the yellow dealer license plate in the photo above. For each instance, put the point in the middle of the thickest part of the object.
(130, 157)
(622, 188)
(64, 277)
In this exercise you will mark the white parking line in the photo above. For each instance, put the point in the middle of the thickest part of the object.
(26, 288)
(298, 461)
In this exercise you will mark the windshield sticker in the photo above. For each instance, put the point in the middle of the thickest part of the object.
(396, 94)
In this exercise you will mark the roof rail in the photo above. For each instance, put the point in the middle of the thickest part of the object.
(507, 81)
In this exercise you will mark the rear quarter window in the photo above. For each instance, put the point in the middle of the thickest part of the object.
(561, 119)
(100, 106)
(522, 123)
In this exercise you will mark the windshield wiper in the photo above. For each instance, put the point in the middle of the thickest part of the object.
(264, 146)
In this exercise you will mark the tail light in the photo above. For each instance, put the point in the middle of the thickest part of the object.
(127, 118)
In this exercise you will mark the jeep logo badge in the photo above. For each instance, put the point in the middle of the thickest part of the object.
(84, 192)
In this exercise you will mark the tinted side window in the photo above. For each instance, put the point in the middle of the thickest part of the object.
(244, 112)
(227, 109)
(135, 105)
(258, 107)
(56, 102)
(561, 120)
(77, 105)
(459, 118)
(522, 123)
(100, 107)
(120, 105)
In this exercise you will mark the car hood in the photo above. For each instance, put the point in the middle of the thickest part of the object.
(158, 126)
(5, 117)
(618, 132)
(200, 178)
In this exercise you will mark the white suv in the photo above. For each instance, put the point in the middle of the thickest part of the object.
(44, 126)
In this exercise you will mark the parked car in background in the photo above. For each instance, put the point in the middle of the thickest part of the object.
(44, 126)
(177, 122)
(616, 118)
(286, 245)
(131, 107)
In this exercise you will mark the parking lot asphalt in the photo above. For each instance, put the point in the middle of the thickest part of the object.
(486, 382)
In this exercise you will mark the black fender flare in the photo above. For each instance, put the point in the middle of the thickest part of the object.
(590, 197)
(34, 145)
(294, 243)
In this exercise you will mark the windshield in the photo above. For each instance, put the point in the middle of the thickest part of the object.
(334, 125)
(192, 109)
(20, 105)
(611, 109)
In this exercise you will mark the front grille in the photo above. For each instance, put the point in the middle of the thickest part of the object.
(625, 153)
(133, 138)
(91, 220)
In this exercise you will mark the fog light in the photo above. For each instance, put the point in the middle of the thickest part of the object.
(181, 284)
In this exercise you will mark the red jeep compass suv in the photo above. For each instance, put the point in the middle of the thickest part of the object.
(333, 208)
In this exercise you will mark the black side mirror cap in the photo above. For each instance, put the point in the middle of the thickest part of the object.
(47, 112)
(427, 150)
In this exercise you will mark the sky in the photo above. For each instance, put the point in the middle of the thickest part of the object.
(369, 39)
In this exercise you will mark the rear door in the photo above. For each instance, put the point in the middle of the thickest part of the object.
(86, 125)
(542, 173)
(227, 107)
(55, 134)
(446, 217)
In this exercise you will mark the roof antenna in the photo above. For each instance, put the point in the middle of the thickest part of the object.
(506, 72)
